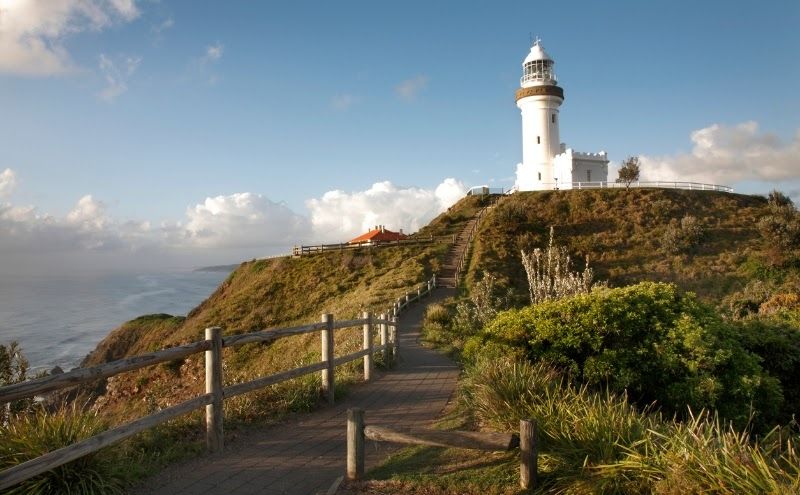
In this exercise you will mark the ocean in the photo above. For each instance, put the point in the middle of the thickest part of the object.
(58, 320)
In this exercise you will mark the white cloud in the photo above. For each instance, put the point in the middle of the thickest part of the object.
(164, 25)
(219, 229)
(243, 220)
(214, 52)
(410, 88)
(343, 101)
(8, 182)
(725, 155)
(339, 216)
(116, 75)
(32, 32)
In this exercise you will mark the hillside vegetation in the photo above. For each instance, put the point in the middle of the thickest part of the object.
(631, 236)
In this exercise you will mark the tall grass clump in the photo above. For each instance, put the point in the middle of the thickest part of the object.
(550, 276)
(702, 455)
(598, 442)
(28, 436)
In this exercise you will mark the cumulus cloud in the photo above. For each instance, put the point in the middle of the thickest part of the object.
(8, 181)
(410, 88)
(116, 73)
(164, 25)
(728, 154)
(339, 215)
(243, 220)
(219, 229)
(32, 32)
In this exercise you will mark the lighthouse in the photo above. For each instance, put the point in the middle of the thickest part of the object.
(546, 162)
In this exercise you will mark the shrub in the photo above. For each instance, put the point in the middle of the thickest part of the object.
(648, 339)
(13, 369)
(683, 236)
(31, 435)
(778, 345)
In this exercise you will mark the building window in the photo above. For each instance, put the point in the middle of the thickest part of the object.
(540, 176)
(538, 140)
(553, 118)
(588, 176)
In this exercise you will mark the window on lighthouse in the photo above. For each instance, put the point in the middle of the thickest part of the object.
(540, 176)
(553, 118)
(538, 140)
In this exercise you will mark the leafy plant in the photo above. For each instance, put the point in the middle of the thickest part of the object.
(28, 436)
(649, 339)
(13, 369)
(683, 236)
(550, 276)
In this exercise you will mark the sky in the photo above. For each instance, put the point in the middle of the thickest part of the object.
(144, 134)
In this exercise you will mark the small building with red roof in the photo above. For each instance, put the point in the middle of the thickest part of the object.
(378, 235)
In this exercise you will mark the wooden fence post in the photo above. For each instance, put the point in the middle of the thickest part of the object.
(368, 345)
(395, 339)
(214, 416)
(355, 443)
(434, 280)
(326, 336)
(385, 340)
(528, 453)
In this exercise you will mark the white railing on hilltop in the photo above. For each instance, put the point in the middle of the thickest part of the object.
(690, 186)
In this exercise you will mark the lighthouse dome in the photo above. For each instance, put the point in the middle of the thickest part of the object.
(537, 68)
(537, 53)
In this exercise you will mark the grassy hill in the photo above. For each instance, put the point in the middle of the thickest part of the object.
(634, 235)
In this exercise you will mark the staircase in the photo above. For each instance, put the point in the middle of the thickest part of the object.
(455, 256)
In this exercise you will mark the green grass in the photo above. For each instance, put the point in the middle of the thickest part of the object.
(622, 233)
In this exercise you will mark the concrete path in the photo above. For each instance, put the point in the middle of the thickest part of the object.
(306, 455)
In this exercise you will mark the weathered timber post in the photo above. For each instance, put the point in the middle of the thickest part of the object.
(355, 443)
(385, 340)
(434, 280)
(528, 453)
(326, 336)
(419, 293)
(429, 284)
(214, 387)
(395, 338)
(408, 299)
(368, 359)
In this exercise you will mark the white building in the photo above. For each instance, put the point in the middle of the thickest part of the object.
(547, 163)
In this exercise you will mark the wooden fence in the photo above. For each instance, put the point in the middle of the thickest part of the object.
(463, 260)
(215, 392)
(324, 248)
(527, 441)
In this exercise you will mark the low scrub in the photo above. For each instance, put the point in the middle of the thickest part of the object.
(649, 340)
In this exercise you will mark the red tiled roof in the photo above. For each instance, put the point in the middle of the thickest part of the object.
(378, 235)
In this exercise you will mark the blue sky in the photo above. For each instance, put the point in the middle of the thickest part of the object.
(153, 107)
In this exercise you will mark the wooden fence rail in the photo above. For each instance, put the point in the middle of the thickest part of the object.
(358, 431)
(463, 260)
(325, 248)
(215, 394)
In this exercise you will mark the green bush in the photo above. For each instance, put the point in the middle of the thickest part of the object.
(778, 345)
(648, 340)
(683, 236)
(29, 436)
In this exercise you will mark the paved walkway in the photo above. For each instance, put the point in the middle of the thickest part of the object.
(306, 456)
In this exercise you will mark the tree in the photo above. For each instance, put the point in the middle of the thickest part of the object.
(629, 172)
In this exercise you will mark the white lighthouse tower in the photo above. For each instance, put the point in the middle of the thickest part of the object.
(546, 162)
